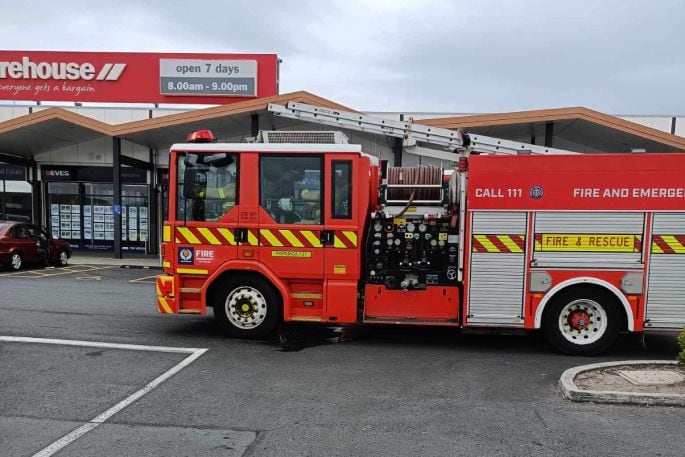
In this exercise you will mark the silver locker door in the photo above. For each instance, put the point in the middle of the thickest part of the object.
(497, 273)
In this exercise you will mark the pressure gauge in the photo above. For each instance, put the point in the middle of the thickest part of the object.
(434, 243)
(422, 228)
(441, 243)
(411, 227)
(378, 227)
(398, 241)
(389, 241)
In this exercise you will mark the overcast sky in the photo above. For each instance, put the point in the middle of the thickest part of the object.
(620, 57)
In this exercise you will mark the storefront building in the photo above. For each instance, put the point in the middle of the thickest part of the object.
(95, 171)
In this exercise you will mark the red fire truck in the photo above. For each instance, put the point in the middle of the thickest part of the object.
(305, 228)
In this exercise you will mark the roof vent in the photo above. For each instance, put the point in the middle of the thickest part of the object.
(301, 137)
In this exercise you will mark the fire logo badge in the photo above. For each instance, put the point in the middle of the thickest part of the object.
(536, 192)
(186, 255)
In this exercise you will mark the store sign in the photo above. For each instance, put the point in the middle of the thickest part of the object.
(10, 172)
(136, 77)
(227, 78)
(91, 174)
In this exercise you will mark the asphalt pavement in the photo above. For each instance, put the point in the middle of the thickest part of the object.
(376, 391)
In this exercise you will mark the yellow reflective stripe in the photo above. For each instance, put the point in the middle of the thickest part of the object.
(351, 236)
(164, 305)
(306, 295)
(538, 245)
(673, 244)
(487, 244)
(656, 249)
(177, 240)
(252, 239)
(209, 235)
(228, 235)
(192, 271)
(166, 264)
(509, 243)
(188, 235)
(313, 240)
(222, 195)
(337, 243)
(166, 234)
(273, 241)
(292, 239)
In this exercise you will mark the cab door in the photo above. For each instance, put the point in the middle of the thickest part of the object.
(291, 215)
(341, 236)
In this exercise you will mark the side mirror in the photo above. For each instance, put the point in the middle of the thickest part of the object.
(189, 183)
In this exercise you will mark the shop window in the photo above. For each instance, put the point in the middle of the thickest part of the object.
(341, 189)
(207, 186)
(290, 188)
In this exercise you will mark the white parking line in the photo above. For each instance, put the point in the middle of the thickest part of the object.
(105, 415)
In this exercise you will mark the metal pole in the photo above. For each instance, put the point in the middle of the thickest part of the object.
(549, 134)
(116, 185)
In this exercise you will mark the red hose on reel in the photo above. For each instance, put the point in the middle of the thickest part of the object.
(420, 175)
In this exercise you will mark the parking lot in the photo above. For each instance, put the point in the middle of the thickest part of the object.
(91, 368)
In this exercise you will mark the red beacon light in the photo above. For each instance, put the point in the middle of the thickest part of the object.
(201, 136)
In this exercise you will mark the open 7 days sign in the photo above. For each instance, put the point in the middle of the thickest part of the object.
(136, 77)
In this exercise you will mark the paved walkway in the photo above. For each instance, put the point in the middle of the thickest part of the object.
(130, 260)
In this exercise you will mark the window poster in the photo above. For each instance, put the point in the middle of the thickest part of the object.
(75, 235)
(55, 232)
(109, 227)
(99, 217)
(143, 224)
(87, 210)
(97, 209)
(108, 210)
(109, 218)
(123, 235)
(142, 211)
(143, 236)
(132, 235)
(109, 236)
(87, 233)
(64, 235)
(98, 226)
(133, 211)
(99, 235)
(65, 225)
(54, 209)
(65, 209)
(75, 209)
(75, 225)
(54, 221)
(87, 221)
(132, 224)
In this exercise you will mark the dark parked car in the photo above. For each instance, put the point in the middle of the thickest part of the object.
(22, 243)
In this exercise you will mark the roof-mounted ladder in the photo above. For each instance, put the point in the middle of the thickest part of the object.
(414, 136)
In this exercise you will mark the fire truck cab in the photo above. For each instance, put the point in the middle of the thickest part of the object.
(286, 230)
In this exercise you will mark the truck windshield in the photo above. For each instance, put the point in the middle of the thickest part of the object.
(206, 186)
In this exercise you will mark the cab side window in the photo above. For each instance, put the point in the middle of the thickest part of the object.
(290, 188)
(341, 189)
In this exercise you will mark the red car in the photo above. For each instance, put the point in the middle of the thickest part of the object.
(22, 243)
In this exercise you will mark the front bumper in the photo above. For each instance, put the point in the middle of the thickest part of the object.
(166, 303)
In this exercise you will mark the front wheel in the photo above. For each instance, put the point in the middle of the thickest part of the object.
(582, 321)
(62, 259)
(247, 307)
(15, 261)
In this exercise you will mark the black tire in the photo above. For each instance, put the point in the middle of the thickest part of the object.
(247, 307)
(62, 259)
(590, 321)
(16, 262)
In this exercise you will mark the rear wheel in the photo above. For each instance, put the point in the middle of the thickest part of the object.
(582, 321)
(15, 261)
(247, 307)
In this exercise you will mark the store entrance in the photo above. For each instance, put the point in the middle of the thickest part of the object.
(81, 213)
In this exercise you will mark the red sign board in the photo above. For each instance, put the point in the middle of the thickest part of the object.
(136, 77)
(611, 182)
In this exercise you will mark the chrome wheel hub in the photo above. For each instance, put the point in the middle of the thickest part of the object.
(63, 258)
(16, 261)
(245, 307)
